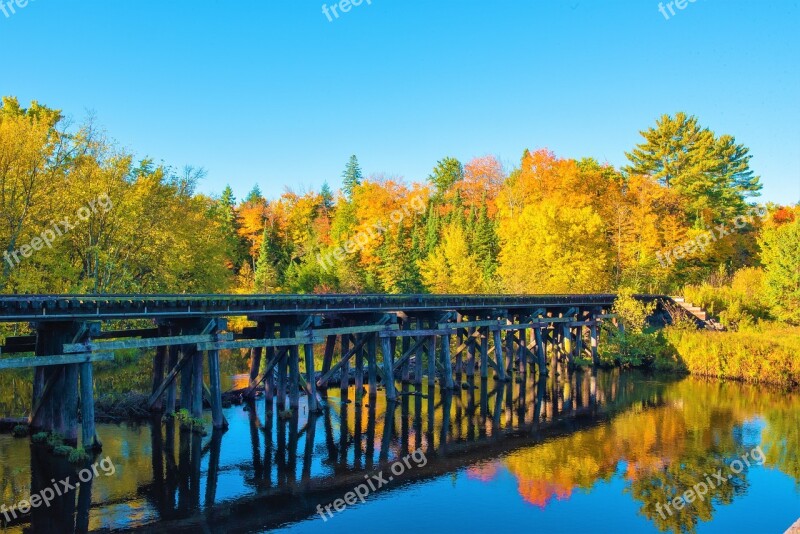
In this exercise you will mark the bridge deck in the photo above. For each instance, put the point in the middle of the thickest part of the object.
(55, 307)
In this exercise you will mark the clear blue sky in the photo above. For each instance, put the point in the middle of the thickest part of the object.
(271, 92)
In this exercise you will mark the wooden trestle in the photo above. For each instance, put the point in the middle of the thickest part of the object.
(373, 341)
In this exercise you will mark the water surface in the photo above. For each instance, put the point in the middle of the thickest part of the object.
(585, 453)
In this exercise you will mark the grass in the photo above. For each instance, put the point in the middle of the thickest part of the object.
(769, 354)
(187, 422)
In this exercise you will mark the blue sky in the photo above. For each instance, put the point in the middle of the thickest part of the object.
(272, 92)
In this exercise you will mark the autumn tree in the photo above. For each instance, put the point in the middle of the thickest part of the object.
(712, 173)
(780, 253)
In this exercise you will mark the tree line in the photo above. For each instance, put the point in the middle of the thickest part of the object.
(548, 225)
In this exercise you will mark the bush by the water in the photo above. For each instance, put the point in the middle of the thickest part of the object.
(769, 355)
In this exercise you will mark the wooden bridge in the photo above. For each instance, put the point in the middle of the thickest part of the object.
(453, 335)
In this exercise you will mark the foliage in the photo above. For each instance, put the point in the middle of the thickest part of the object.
(768, 356)
(62, 450)
(780, 245)
(351, 177)
(20, 431)
(550, 225)
(712, 173)
(738, 301)
(77, 456)
(187, 422)
(54, 439)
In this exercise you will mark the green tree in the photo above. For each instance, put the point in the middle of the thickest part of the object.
(351, 177)
(254, 196)
(780, 253)
(447, 172)
(327, 197)
(712, 173)
(272, 262)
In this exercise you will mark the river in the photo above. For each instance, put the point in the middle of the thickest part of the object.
(587, 453)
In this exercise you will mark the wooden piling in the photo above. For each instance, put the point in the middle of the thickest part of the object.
(418, 359)
(88, 434)
(448, 371)
(510, 352)
(470, 353)
(197, 383)
(484, 352)
(372, 365)
(269, 381)
(540, 352)
(405, 344)
(158, 371)
(498, 352)
(294, 376)
(311, 379)
(359, 370)
(69, 406)
(327, 359)
(170, 394)
(431, 344)
(216, 389)
(282, 370)
(186, 379)
(344, 379)
(388, 368)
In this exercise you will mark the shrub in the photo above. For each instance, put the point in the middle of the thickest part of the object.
(739, 301)
(769, 356)
(54, 440)
(62, 450)
(187, 422)
(77, 456)
(20, 431)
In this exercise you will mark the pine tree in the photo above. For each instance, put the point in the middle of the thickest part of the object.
(432, 228)
(254, 195)
(272, 262)
(487, 244)
(351, 177)
(447, 172)
(327, 197)
(713, 174)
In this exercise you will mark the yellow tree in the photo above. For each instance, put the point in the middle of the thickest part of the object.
(451, 267)
(554, 248)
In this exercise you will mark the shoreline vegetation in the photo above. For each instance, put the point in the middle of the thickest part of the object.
(749, 350)
(678, 218)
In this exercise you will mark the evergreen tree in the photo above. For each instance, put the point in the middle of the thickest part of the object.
(432, 229)
(447, 172)
(254, 196)
(327, 197)
(351, 177)
(272, 262)
(487, 244)
(713, 174)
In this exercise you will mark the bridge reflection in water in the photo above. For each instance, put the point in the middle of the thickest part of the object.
(266, 470)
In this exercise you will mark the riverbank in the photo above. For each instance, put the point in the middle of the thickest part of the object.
(770, 355)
